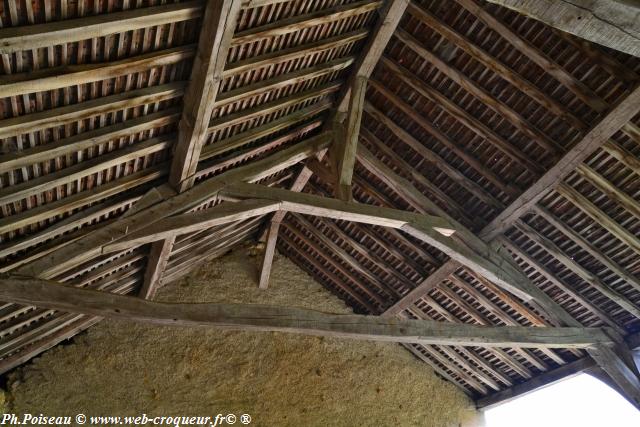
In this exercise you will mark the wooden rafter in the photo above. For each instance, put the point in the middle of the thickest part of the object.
(346, 141)
(88, 246)
(16, 39)
(379, 37)
(594, 139)
(604, 22)
(218, 26)
(623, 373)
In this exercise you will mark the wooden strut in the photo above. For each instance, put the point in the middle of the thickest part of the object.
(219, 23)
(250, 317)
(619, 367)
(386, 24)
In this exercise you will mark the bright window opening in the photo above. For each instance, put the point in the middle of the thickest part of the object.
(579, 401)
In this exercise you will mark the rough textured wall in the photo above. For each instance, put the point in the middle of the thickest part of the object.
(119, 368)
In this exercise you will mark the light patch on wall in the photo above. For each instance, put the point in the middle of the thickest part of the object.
(579, 401)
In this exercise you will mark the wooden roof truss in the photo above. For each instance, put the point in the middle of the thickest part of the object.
(464, 173)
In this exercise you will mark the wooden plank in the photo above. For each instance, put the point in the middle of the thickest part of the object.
(460, 114)
(42, 293)
(170, 227)
(588, 247)
(89, 246)
(423, 288)
(75, 112)
(73, 75)
(87, 140)
(253, 134)
(609, 189)
(385, 26)
(442, 138)
(500, 269)
(560, 284)
(15, 39)
(608, 23)
(587, 95)
(81, 199)
(83, 169)
(568, 261)
(70, 223)
(421, 204)
(598, 135)
(337, 209)
(347, 142)
(595, 213)
(295, 52)
(494, 63)
(480, 93)
(279, 104)
(269, 252)
(452, 173)
(300, 22)
(156, 263)
(284, 80)
(218, 26)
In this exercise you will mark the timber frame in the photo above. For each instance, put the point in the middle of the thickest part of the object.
(464, 177)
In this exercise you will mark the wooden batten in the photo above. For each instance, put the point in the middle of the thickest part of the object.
(461, 175)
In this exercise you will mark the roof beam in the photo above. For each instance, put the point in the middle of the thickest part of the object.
(46, 182)
(87, 140)
(612, 24)
(16, 39)
(452, 173)
(621, 371)
(337, 209)
(284, 80)
(73, 75)
(594, 139)
(461, 115)
(488, 99)
(588, 96)
(346, 141)
(189, 222)
(295, 52)
(470, 253)
(550, 247)
(218, 26)
(495, 64)
(461, 152)
(53, 295)
(379, 38)
(297, 23)
(76, 112)
(89, 246)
